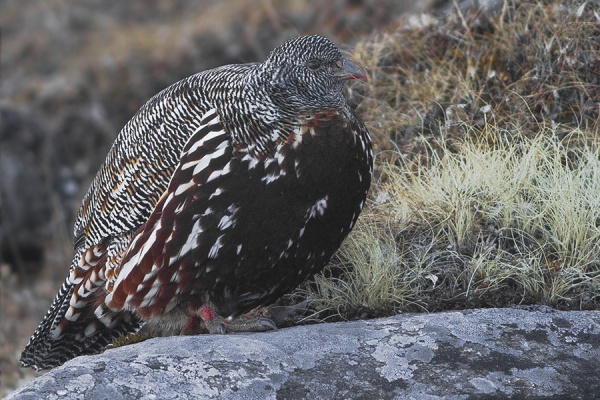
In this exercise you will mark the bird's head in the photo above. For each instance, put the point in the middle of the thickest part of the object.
(309, 73)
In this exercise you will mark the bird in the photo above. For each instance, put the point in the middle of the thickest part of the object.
(225, 191)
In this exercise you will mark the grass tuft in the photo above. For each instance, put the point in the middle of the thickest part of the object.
(514, 223)
(531, 67)
(487, 128)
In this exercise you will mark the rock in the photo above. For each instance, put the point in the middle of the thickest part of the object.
(487, 353)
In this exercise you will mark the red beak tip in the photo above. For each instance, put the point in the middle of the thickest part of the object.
(359, 77)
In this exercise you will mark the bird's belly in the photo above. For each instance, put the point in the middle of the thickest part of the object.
(272, 231)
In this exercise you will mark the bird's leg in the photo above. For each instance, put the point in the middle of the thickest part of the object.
(212, 322)
(192, 327)
(253, 321)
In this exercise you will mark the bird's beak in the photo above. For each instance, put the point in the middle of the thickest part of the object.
(350, 71)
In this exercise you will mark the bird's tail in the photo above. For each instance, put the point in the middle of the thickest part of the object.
(78, 322)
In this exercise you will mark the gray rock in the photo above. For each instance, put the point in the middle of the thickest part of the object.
(488, 353)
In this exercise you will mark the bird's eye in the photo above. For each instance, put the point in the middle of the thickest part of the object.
(313, 64)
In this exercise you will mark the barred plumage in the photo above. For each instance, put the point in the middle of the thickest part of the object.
(225, 191)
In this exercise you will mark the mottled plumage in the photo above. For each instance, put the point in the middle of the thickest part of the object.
(225, 191)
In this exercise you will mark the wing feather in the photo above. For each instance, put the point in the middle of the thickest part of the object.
(208, 150)
(139, 166)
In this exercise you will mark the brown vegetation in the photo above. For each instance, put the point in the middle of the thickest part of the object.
(488, 129)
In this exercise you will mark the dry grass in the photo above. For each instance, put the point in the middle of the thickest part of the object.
(513, 223)
(531, 67)
(488, 129)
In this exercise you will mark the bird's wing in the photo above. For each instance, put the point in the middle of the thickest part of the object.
(139, 166)
(205, 161)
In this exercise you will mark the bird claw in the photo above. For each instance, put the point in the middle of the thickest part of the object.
(206, 318)
(267, 323)
(216, 327)
(259, 324)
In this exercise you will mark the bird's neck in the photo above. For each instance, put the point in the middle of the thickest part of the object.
(257, 122)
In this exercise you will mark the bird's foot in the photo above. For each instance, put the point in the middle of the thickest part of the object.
(254, 321)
